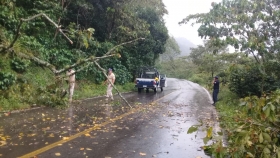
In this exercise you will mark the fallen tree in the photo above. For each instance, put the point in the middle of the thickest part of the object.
(60, 73)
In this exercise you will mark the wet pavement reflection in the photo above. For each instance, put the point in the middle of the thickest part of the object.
(155, 127)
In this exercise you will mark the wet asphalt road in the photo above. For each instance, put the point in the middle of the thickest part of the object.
(94, 128)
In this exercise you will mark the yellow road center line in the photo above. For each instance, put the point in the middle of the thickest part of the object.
(56, 144)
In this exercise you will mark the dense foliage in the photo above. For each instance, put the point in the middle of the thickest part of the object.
(94, 26)
(249, 114)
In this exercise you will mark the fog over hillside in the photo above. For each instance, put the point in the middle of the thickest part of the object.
(184, 45)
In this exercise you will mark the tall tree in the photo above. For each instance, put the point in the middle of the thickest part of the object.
(249, 25)
(206, 60)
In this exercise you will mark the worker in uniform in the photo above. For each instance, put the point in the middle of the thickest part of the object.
(71, 81)
(110, 81)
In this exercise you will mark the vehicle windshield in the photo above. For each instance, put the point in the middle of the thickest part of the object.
(149, 75)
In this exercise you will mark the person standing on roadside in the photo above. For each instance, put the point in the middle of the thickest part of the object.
(216, 87)
(71, 82)
(110, 81)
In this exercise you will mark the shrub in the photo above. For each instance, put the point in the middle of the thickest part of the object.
(19, 65)
(197, 79)
(251, 80)
(6, 80)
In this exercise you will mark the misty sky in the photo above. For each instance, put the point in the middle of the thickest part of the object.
(178, 10)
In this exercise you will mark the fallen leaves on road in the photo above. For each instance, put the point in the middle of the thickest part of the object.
(2, 143)
(142, 154)
(57, 154)
(65, 138)
(31, 135)
(51, 135)
(3, 138)
(87, 135)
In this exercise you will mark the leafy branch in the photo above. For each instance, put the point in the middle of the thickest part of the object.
(47, 64)
(31, 18)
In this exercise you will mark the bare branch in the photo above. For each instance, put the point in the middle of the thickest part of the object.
(256, 58)
(51, 21)
(80, 62)
(94, 59)
(31, 18)
(16, 37)
(39, 61)
(104, 72)
(112, 49)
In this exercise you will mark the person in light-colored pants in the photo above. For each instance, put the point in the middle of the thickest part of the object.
(110, 81)
(71, 82)
(71, 90)
(109, 91)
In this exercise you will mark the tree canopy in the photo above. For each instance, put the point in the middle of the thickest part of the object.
(252, 26)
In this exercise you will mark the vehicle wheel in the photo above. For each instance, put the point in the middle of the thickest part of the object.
(139, 90)
(161, 89)
(147, 90)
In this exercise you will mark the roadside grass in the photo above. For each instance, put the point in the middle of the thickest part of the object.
(24, 94)
(227, 107)
(36, 87)
(231, 116)
(86, 89)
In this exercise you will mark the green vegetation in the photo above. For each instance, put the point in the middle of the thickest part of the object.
(41, 40)
(87, 90)
(249, 98)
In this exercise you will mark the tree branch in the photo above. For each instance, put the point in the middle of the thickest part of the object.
(51, 21)
(256, 58)
(31, 18)
(52, 67)
(112, 49)
(17, 35)
(94, 59)
(80, 62)
(37, 60)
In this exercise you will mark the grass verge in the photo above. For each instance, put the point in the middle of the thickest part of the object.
(227, 107)
(87, 90)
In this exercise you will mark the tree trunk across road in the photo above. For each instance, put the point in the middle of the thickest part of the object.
(156, 126)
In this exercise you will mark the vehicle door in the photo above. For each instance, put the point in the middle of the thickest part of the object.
(163, 82)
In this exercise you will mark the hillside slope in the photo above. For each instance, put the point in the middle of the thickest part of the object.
(184, 45)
